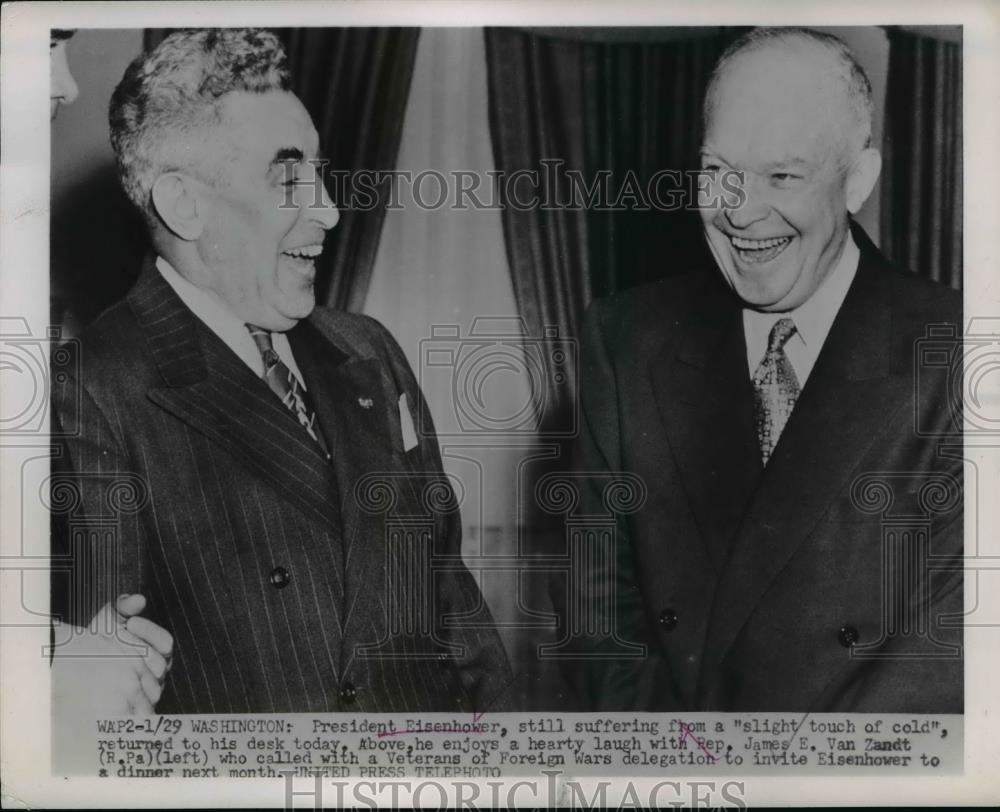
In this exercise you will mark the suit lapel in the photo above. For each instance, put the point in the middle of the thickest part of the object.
(835, 421)
(356, 401)
(703, 391)
(210, 389)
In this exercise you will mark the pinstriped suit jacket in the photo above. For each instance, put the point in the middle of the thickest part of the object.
(290, 584)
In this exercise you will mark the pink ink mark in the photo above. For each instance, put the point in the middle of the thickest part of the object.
(686, 733)
(476, 716)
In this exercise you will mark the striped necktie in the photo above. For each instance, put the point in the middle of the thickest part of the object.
(776, 388)
(287, 387)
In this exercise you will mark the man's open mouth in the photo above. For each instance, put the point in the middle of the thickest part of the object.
(304, 256)
(757, 251)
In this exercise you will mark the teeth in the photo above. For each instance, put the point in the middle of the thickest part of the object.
(305, 251)
(758, 245)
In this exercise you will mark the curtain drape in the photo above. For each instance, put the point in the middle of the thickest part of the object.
(355, 83)
(922, 156)
(625, 107)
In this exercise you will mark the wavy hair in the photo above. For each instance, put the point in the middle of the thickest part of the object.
(170, 96)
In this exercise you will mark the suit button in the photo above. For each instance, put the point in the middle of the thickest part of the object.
(348, 693)
(280, 577)
(668, 620)
(847, 636)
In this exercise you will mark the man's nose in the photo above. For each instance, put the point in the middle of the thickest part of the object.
(753, 208)
(327, 213)
(323, 211)
(64, 86)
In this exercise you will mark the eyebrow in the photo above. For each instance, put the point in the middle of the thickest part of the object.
(288, 154)
(707, 155)
(789, 163)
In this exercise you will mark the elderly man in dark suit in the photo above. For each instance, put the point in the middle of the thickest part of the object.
(286, 503)
(767, 404)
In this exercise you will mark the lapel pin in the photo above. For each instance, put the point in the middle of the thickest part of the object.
(365, 403)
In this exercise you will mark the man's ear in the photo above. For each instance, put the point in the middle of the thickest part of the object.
(179, 206)
(861, 178)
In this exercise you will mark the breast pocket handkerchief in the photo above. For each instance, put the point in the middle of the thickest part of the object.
(406, 424)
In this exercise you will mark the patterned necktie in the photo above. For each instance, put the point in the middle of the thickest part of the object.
(776, 388)
(287, 387)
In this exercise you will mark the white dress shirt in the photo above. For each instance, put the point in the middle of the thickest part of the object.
(813, 318)
(227, 326)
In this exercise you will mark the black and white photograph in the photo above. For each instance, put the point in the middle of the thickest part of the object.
(517, 396)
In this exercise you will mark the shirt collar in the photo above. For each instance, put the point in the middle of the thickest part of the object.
(207, 307)
(815, 315)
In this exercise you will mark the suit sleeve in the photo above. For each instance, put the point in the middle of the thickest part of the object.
(94, 498)
(482, 666)
(609, 671)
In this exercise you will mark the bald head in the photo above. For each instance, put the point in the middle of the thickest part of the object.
(800, 76)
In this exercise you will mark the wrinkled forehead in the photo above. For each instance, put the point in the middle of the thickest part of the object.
(777, 104)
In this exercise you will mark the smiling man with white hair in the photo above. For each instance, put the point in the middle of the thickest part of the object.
(256, 428)
(766, 403)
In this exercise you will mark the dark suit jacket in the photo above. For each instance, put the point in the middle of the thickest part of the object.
(290, 584)
(746, 585)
